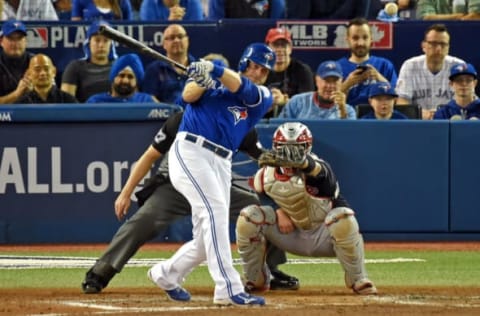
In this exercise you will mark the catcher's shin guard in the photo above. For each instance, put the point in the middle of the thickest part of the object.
(252, 245)
(348, 244)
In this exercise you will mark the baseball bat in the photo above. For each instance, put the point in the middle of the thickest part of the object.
(137, 46)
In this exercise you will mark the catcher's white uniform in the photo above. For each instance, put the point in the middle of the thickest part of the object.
(419, 85)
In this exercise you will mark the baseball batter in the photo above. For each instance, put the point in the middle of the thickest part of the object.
(213, 125)
(312, 218)
(161, 205)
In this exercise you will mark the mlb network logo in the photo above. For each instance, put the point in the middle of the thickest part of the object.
(37, 37)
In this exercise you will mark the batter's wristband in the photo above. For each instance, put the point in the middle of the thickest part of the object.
(310, 166)
(217, 71)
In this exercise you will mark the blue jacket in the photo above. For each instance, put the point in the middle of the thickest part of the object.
(453, 109)
(88, 11)
(106, 97)
(155, 10)
(270, 9)
(396, 115)
(164, 82)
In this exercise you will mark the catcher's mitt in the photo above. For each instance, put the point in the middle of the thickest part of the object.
(283, 156)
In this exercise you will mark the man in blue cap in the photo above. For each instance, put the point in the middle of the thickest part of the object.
(125, 77)
(89, 75)
(327, 102)
(14, 61)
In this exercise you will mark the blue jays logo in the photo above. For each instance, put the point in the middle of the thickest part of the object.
(239, 113)
(461, 67)
(331, 66)
(384, 87)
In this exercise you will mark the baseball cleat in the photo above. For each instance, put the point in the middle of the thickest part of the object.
(93, 283)
(89, 287)
(283, 281)
(242, 299)
(364, 287)
(177, 294)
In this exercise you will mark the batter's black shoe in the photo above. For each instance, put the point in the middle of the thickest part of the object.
(283, 281)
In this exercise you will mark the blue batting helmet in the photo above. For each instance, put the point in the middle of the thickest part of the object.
(260, 54)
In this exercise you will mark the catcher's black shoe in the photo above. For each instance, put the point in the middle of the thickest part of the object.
(283, 281)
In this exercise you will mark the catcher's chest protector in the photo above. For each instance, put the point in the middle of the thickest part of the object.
(290, 193)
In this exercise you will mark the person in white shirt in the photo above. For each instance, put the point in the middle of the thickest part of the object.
(328, 102)
(423, 80)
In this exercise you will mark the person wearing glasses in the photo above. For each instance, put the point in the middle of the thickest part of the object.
(424, 80)
(165, 81)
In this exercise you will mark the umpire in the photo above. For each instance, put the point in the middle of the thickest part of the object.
(160, 205)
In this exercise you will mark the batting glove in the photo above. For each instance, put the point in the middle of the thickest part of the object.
(206, 82)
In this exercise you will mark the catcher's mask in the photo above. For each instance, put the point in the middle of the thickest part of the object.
(292, 134)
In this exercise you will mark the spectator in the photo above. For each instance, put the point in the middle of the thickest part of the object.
(63, 9)
(126, 76)
(289, 76)
(328, 9)
(382, 98)
(328, 102)
(237, 9)
(436, 10)
(88, 10)
(465, 105)
(171, 10)
(28, 10)
(14, 61)
(89, 75)
(448, 10)
(219, 59)
(165, 81)
(42, 74)
(423, 80)
(362, 69)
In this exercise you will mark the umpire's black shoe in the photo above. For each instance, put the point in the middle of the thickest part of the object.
(93, 283)
(283, 281)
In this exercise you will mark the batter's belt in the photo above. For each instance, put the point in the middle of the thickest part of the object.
(216, 149)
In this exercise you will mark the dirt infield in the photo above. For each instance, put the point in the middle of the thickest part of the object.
(325, 301)
(329, 301)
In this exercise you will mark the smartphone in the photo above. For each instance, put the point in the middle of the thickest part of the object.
(362, 67)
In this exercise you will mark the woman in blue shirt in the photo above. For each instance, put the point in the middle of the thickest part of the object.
(87, 10)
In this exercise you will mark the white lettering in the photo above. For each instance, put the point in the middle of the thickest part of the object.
(103, 176)
(5, 117)
(56, 35)
(157, 38)
(33, 185)
(319, 31)
(80, 36)
(159, 113)
(118, 166)
(11, 162)
(57, 185)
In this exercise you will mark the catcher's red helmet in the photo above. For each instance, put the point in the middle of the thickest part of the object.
(293, 133)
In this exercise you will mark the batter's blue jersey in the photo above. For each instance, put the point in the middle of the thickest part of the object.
(358, 94)
(224, 117)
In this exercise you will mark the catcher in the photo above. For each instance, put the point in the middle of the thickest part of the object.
(312, 217)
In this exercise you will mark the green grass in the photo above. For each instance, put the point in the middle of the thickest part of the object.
(441, 268)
